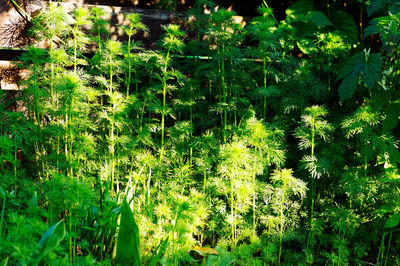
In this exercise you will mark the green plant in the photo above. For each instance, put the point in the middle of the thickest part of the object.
(313, 127)
(264, 29)
(81, 21)
(172, 42)
(51, 24)
(344, 223)
(281, 208)
(237, 167)
(3, 209)
(34, 59)
(165, 156)
(225, 36)
(134, 26)
(51, 239)
(128, 241)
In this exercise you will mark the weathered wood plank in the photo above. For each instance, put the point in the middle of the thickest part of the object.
(10, 75)
(11, 21)
(152, 18)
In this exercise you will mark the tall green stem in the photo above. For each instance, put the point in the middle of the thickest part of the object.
(36, 115)
(265, 86)
(129, 65)
(3, 209)
(233, 215)
(312, 185)
(164, 81)
(224, 91)
(254, 202)
(75, 48)
(281, 225)
(15, 166)
(112, 145)
(312, 180)
(52, 71)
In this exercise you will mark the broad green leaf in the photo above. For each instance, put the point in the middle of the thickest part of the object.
(361, 65)
(371, 29)
(346, 26)
(4, 262)
(302, 6)
(395, 156)
(3, 207)
(204, 251)
(128, 243)
(350, 75)
(384, 209)
(318, 18)
(298, 10)
(392, 221)
(395, 8)
(158, 252)
(372, 69)
(33, 203)
(51, 238)
(377, 5)
(224, 258)
(392, 116)
(305, 30)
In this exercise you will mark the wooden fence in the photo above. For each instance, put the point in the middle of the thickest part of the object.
(13, 35)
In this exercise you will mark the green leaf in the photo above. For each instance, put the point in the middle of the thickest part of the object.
(392, 116)
(350, 75)
(306, 46)
(302, 6)
(395, 156)
(392, 221)
(158, 252)
(128, 243)
(346, 26)
(223, 258)
(298, 10)
(51, 238)
(371, 29)
(377, 5)
(318, 18)
(204, 251)
(361, 65)
(372, 69)
(33, 203)
(4, 262)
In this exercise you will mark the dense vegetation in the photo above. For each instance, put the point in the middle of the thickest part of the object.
(273, 143)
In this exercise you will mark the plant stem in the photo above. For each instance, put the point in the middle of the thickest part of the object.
(20, 10)
(310, 235)
(224, 92)
(70, 239)
(232, 215)
(312, 180)
(381, 248)
(129, 66)
(265, 87)
(164, 81)
(75, 48)
(388, 248)
(3, 209)
(204, 180)
(36, 115)
(281, 224)
(254, 202)
(112, 138)
(15, 166)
